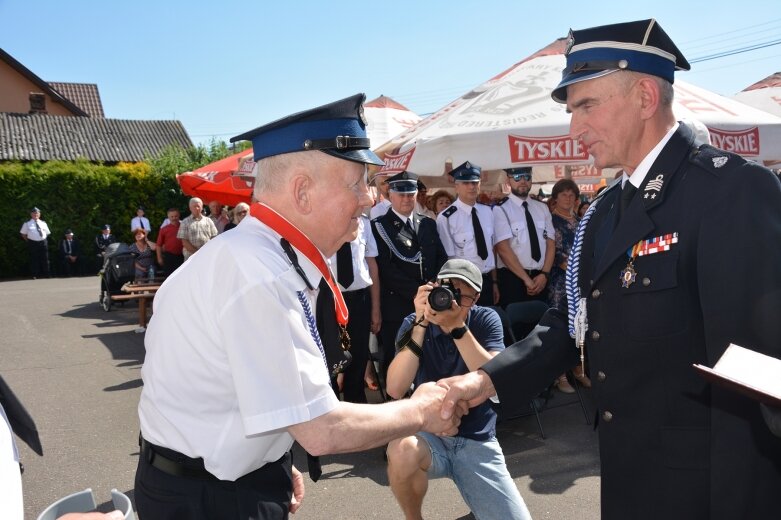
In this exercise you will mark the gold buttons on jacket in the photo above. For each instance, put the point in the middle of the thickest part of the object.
(601, 376)
(595, 335)
(607, 416)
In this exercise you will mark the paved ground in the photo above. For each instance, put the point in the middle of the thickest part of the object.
(76, 368)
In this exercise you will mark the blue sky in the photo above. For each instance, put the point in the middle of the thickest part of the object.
(223, 67)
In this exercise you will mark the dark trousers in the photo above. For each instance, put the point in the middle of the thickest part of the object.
(262, 494)
(487, 293)
(512, 289)
(359, 306)
(171, 262)
(39, 258)
(71, 268)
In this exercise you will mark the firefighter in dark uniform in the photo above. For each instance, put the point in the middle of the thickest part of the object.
(409, 254)
(675, 261)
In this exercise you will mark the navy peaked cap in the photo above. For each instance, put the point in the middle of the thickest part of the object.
(466, 172)
(338, 129)
(640, 46)
(404, 182)
(35, 210)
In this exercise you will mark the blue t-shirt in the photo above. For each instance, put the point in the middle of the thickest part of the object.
(441, 359)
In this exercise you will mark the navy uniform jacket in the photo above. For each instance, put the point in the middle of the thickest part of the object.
(401, 270)
(671, 445)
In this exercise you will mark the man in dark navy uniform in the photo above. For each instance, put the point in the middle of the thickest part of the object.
(409, 254)
(675, 261)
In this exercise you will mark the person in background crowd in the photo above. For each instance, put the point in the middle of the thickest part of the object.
(226, 393)
(70, 254)
(433, 344)
(440, 201)
(239, 212)
(582, 208)
(196, 229)
(140, 221)
(467, 229)
(564, 195)
(218, 216)
(103, 240)
(143, 249)
(35, 232)
(524, 241)
(409, 253)
(169, 245)
(421, 201)
(678, 259)
(382, 204)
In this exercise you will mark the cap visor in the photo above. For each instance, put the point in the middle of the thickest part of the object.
(450, 276)
(364, 156)
(559, 94)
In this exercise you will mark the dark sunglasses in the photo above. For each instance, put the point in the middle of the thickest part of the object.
(521, 176)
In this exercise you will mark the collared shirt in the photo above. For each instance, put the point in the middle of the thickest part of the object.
(224, 385)
(638, 176)
(30, 229)
(441, 359)
(458, 233)
(407, 219)
(220, 221)
(168, 241)
(197, 231)
(140, 223)
(364, 246)
(510, 222)
(379, 209)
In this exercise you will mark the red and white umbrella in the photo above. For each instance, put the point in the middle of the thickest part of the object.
(764, 95)
(511, 120)
(229, 180)
(386, 118)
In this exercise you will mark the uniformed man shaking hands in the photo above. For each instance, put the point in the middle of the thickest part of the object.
(226, 393)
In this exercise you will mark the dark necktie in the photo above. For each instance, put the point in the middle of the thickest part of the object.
(344, 265)
(482, 249)
(627, 192)
(535, 242)
(408, 226)
(68, 246)
(39, 230)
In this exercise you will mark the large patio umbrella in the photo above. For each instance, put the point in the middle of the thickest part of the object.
(764, 95)
(386, 118)
(229, 180)
(511, 120)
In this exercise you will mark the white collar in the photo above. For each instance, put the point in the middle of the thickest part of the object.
(638, 176)
(460, 204)
(402, 217)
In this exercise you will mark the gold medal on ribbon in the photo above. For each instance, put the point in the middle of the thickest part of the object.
(628, 274)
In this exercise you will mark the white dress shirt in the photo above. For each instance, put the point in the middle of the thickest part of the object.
(458, 235)
(510, 223)
(364, 246)
(30, 229)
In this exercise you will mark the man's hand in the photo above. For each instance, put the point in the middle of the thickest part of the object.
(421, 301)
(468, 390)
(429, 397)
(298, 491)
(538, 284)
(376, 320)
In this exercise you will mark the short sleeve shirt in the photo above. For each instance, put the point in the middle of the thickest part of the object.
(225, 385)
(457, 233)
(441, 359)
(510, 223)
(364, 246)
(35, 232)
(197, 231)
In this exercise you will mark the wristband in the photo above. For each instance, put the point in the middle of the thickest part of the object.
(414, 348)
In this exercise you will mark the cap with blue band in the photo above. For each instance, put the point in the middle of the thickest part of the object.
(404, 182)
(466, 172)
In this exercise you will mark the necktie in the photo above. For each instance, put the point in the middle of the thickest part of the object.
(39, 230)
(482, 250)
(408, 226)
(627, 192)
(535, 242)
(344, 265)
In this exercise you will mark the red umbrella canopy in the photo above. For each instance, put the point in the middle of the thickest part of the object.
(229, 180)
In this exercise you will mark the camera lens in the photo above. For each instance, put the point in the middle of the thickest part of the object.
(440, 298)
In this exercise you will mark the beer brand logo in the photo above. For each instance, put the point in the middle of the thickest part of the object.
(743, 142)
(397, 163)
(556, 149)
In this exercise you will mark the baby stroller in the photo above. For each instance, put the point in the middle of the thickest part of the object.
(118, 269)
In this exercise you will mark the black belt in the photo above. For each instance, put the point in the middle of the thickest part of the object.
(354, 295)
(172, 462)
(532, 272)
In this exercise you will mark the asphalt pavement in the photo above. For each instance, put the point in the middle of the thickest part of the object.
(77, 369)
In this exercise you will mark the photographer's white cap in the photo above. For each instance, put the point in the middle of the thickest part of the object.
(462, 270)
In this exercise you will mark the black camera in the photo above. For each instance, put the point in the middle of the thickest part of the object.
(441, 298)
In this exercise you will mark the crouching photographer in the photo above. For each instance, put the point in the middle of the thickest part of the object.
(448, 335)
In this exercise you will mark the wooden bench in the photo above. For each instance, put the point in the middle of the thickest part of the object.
(143, 292)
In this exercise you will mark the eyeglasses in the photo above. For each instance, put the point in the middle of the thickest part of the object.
(470, 298)
(521, 176)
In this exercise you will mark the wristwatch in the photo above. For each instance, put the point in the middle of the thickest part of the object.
(458, 332)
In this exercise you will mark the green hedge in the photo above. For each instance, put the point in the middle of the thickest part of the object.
(81, 196)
